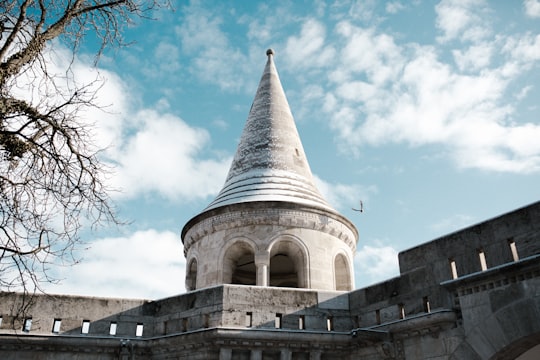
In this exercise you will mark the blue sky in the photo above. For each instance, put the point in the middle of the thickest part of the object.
(426, 111)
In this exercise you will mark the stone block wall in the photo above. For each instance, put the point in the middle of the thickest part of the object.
(500, 308)
(293, 309)
(493, 238)
(227, 306)
(425, 267)
(74, 315)
(399, 298)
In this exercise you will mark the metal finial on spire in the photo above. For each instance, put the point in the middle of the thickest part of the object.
(270, 52)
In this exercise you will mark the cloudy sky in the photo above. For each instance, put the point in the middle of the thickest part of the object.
(427, 112)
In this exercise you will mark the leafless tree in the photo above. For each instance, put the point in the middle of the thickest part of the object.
(52, 180)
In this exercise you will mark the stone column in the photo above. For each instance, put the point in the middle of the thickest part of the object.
(225, 354)
(256, 355)
(285, 354)
(261, 263)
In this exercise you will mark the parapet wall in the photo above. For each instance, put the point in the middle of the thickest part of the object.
(73, 315)
(504, 239)
(225, 306)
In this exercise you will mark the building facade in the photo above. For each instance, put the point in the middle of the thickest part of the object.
(269, 276)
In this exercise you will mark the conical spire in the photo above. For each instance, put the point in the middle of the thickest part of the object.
(270, 163)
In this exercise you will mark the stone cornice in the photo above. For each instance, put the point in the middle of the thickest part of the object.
(419, 325)
(499, 276)
(249, 339)
(240, 216)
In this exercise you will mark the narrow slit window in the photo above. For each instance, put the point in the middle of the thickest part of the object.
(27, 325)
(482, 258)
(85, 327)
(401, 309)
(249, 319)
(301, 322)
(0, 321)
(139, 330)
(112, 328)
(329, 323)
(513, 249)
(453, 268)
(56, 326)
(378, 316)
(427, 306)
(206, 322)
(278, 321)
(184, 324)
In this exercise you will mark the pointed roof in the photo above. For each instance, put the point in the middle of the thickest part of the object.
(270, 163)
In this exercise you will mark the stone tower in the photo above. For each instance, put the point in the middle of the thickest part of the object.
(269, 225)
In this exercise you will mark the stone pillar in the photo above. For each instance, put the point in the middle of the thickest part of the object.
(225, 354)
(285, 354)
(261, 263)
(256, 355)
(262, 275)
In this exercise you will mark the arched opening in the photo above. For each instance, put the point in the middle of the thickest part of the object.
(525, 348)
(239, 265)
(287, 265)
(245, 272)
(283, 271)
(191, 276)
(342, 273)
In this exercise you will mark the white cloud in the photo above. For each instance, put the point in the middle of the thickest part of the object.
(216, 60)
(167, 56)
(407, 94)
(152, 150)
(200, 29)
(375, 263)
(374, 55)
(103, 89)
(362, 10)
(532, 8)
(394, 7)
(524, 50)
(146, 264)
(344, 196)
(474, 58)
(462, 19)
(161, 154)
(309, 49)
(264, 29)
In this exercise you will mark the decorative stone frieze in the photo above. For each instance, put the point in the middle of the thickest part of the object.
(325, 223)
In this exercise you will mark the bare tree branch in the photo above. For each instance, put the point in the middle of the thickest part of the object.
(51, 176)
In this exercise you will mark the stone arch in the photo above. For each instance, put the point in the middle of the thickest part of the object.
(342, 272)
(191, 274)
(288, 263)
(238, 263)
(526, 348)
(511, 321)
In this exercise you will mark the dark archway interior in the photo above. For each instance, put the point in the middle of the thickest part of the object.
(245, 272)
(283, 271)
(191, 278)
